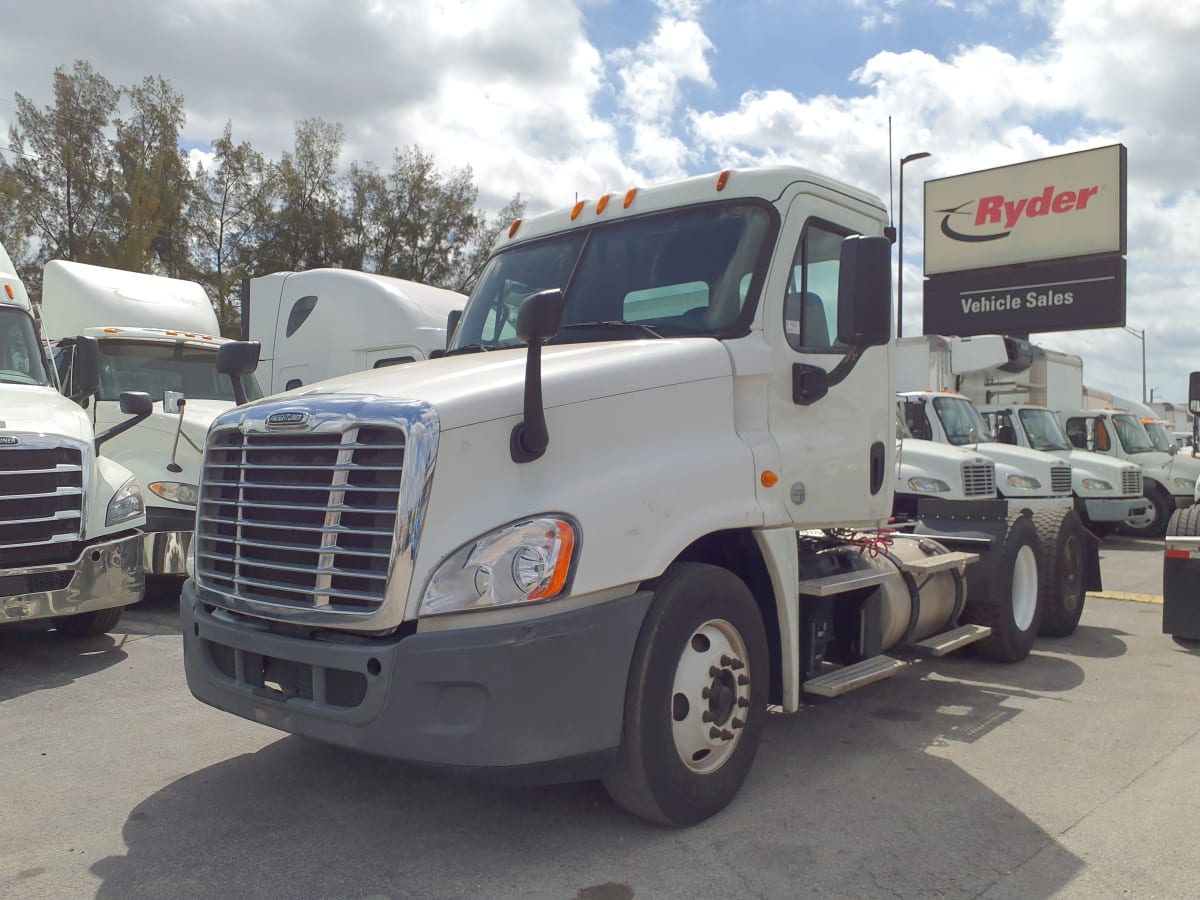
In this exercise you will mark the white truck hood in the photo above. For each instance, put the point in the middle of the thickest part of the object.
(42, 410)
(1094, 464)
(1021, 459)
(479, 387)
(938, 457)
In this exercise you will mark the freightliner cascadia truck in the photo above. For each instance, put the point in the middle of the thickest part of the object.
(70, 545)
(638, 500)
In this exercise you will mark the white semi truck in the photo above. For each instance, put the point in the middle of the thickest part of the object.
(602, 557)
(70, 549)
(159, 336)
(322, 323)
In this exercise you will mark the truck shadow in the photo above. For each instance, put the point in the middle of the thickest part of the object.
(33, 658)
(852, 798)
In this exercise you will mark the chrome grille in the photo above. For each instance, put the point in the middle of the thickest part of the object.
(979, 479)
(1131, 480)
(1060, 479)
(41, 498)
(300, 520)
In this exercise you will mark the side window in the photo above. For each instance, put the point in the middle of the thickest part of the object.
(1077, 432)
(1003, 427)
(301, 310)
(917, 420)
(811, 305)
(392, 361)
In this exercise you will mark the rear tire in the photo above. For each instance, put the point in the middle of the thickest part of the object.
(1016, 618)
(695, 705)
(1063, 586)
(90, 624)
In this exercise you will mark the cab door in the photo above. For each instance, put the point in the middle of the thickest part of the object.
(837, 450)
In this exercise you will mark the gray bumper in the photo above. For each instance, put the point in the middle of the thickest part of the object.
(166, 552)
(1114, 509)
(105, 575)
(541, 700)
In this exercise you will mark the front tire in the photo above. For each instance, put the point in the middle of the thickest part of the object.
(695, 705)
(1063, 582)
(1017, 615)
(1153, 522)
(89, 624)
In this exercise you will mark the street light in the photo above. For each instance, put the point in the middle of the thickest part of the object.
(1140, 335)
(912, 157)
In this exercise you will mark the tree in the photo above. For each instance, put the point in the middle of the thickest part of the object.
(478, 246)
(152, 184)
(62, 165)
(230, 201)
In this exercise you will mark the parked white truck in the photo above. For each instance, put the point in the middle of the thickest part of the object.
(602, 558)
(326, 322)
(159, 336)
(70, 551)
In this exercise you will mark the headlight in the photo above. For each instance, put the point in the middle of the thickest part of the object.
(126, 504)
(524, 561)
(1185, 484)
(1095, 484)
(175, 491)
(1023, 482)
(928, 485)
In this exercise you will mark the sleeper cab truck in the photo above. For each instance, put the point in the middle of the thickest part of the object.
(636, 501)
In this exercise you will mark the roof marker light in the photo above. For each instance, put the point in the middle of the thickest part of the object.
(769, 478)
(112, 330)
(722, 180)
(577, 209)
(8, 290)
(602, 204)
(629, 195)
(512, 229)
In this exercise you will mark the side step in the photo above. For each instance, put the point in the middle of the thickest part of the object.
(858, 675)
(949, 641)
(939, 562)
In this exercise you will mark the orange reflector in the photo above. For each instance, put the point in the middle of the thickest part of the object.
(111, 330)
(629, 195)
(769, 478)
(512, 229)
(578, 208)
(722, 180)
(562, 563)
(172, 332)
(1177, 554)
(602, 205)
(207, 337)
(189, 334)
(8, 290)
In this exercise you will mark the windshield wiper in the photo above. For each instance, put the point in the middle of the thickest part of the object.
(467, 348)
(637, 327)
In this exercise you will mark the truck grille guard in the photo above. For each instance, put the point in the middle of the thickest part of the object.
(43, 485)
(310, 511)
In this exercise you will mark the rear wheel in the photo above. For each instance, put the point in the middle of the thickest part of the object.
(1063, 583)
(90, 624)
(695, 705)
(1015, 618)
(1153, 521)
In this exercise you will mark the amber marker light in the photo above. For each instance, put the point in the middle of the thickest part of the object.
(8, 290)
(769, 478)
(602, 204)
(576, 210)
(112, 330)
(562, 564)
(629, 195)
(722, 180)
(512, 229)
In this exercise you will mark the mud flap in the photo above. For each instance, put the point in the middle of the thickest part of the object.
(974, 526)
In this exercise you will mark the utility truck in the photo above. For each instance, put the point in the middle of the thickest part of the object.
(1181, 550)
(70, 549)
(638, 500)
(322, 323)
(159, 336)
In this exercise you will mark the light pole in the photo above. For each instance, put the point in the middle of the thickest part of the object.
(1141, 336)
(912, 157)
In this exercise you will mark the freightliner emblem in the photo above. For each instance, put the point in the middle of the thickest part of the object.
(288, 418)
(7, 441)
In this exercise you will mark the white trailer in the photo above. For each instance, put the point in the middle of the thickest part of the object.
(327, 322)
(602, 558)
(70, 549)
(159, 336)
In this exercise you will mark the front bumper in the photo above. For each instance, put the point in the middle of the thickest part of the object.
(534, 701)
(1114, 509)
(105, 575)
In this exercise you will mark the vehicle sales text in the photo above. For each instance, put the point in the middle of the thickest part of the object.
(1009, 301)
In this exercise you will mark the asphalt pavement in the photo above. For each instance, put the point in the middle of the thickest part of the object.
(1073, 774)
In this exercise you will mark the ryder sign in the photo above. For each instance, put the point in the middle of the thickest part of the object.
(1048, 209)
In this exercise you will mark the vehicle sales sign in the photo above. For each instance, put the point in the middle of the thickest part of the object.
(1048, 209)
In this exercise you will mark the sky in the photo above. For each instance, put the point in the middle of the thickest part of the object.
(554, 99)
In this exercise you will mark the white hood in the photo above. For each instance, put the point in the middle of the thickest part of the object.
(478, 387)
(42, 410)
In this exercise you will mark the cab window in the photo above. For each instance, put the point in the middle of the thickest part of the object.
(811, 305)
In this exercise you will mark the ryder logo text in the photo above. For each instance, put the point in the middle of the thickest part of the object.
(1007, 213)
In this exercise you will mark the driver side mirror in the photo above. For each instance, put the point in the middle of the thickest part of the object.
(235, 359)
(864, 315)
(87, 367)
(133, 403)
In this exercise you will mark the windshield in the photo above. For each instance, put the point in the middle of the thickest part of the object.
(1132, 435)
(159, 366)
(686, 272)
(1044, 430)
(20, 355)
(958, 416)
(1160, 438)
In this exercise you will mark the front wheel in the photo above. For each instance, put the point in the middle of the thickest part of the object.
(695, 705)
(1153, 521)
(89, 624)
